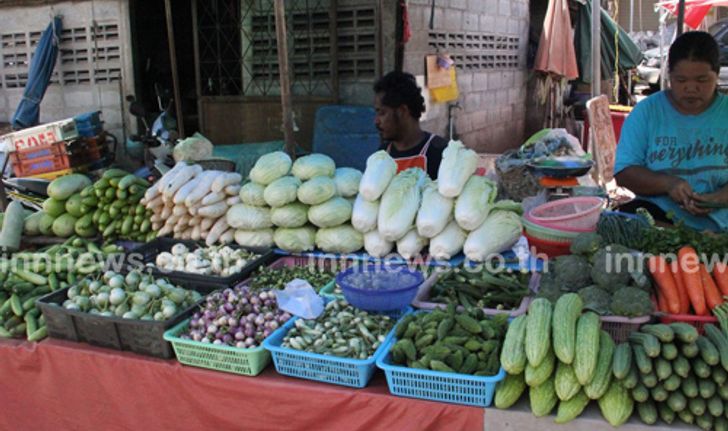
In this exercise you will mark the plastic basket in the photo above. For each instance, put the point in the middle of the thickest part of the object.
(697, 321)
(248, 362)
(422, 302)
(548, 234)
(549, 248)
(149, 252)
(302, 261)
(380, 300)
(145, 337)
(438, 386)
(620, 327)
(577, 213)
(354, 373)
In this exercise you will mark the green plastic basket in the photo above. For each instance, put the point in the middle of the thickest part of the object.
(540, 232)
(248, 362)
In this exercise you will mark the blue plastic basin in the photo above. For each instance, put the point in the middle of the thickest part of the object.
(379, 287)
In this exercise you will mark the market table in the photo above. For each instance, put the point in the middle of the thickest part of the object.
(63, 385)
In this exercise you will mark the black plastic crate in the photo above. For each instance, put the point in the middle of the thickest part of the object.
(145, 337)
(149, 252)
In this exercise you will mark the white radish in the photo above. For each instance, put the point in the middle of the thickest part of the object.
(166, 230)
(228, 237)
(186, 234)
(184, 220)
(213, 211)
(185, 190)
(155, 218)
(193, 210)
(151, 193)
(156, 202)
(206, 224)
(156, 226)
(203, 188)
(203, 234)
(195, 221)
(213, 198)
(233, 200)
(179, 210)
(233, 190)
(169, 176)
(226, 179)
(217, 230)
(184, 175)
(195, 233)
(166, 212)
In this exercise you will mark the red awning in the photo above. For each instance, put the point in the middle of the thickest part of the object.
(695, 10)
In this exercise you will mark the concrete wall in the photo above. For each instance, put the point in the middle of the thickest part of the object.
(81, 81)
(488, 40)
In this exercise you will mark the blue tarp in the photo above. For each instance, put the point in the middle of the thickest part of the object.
(39, 76)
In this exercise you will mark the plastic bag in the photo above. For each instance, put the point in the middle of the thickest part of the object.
(300, 299)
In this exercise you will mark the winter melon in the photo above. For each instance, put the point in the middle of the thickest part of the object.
(74, 205)
(64, 226)
(54, 207)
(62, 188)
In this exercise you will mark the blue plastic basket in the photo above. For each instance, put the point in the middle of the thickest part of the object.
(354, 373)
(380, 300)
(438, 386)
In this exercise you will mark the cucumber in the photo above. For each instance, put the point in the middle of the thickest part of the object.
(677, 402)
(697, 406)
(690, 350)
(672, 383)
(622, 362)
(663, 332)
(708, 351)
(647, 412)
(689, 387)
(663, 369)
(650, 343)
(640, 393)
(716, 406)
(660, 394)
(669, 351)
(36, 279)
(649, 380)
(632, 379)
(643, 362)
(719, 375)
(700, 368)
(706, 388)
(666, 414)
(684, 332)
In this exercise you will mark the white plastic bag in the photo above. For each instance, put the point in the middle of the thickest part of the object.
(435, 211)
(300, 299)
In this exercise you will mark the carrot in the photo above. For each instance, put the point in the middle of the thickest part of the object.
(682, 293)
(661, 305)
(720, 275)
(665, 283)
(712, 295)
(690, 272)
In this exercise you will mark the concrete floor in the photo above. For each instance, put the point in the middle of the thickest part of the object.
(520, 418)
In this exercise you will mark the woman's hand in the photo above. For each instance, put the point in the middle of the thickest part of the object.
(681, 192)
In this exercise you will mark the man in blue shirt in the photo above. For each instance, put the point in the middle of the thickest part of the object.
(673, 149)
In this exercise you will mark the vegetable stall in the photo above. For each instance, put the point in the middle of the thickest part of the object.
(321, 296)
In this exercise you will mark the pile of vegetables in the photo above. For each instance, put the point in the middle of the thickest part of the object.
(220, 261)
(563, 357)
(136, 296)
(65, 212)
(236, 317)
(672, 372)
(470, 287)
(341, 330)
(450, 341)
(686, 286)
(602, 276)
(456, 213)
(298, 205)
(28, 276)
(190, 203)
(267, 278)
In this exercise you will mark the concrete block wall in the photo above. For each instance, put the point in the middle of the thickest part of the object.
(75, 87)
(492, 99)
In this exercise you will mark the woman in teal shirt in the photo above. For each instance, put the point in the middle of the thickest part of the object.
(673, 149)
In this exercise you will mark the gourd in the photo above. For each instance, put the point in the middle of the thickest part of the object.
(603, 373)
(587, 347)
(509, 390)
(566, 313)
(538, 331)
(513, 354)
(12, 229)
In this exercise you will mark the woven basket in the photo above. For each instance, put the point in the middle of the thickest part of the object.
(517, 183)
(224, 165)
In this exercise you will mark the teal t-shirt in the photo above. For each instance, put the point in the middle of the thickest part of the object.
(693, 147)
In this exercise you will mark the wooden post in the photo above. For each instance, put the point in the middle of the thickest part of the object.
(283, 71)
(173, 64)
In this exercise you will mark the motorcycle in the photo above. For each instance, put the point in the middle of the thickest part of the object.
(154, 147)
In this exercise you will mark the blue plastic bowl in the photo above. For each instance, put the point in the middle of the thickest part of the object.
(398, 286)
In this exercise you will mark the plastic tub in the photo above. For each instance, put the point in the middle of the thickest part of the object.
(248, 362)
(394, 296)
(549, 248)
(548, 234)
(570, 213)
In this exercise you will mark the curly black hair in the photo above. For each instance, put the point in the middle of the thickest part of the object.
(400, 88)
(695, 46)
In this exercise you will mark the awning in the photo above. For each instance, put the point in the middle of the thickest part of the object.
(39, 76)
(695, 10)
(628, 54)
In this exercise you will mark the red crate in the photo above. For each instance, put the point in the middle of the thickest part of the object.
(40, 165)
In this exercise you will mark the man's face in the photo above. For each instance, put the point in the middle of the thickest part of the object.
(693, 85)
(386, 119)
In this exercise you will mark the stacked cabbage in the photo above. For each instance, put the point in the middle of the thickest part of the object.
(298, 206)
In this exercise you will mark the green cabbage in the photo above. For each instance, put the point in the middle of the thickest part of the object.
(313, 165)
(254, 238)
(281, 191)
(331, 213)
(339, 239)
(377, 246)
(317, 190)
(252, 194)
(457, 166)
(364, 214)
(400, 204)
(241, 216)
(270, 167)
(295, 240)
(381, 169)
(291, 215)
(347, 182)
(435, 211)
(472, 207)
(500, 230)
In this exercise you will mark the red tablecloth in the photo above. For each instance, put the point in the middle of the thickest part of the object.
(57, 385)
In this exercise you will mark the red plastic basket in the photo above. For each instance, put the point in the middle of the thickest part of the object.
(698, 321)
(571, 213)
(549, 248)
(620, 327)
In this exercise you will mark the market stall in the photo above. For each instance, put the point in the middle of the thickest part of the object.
(308, 296)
